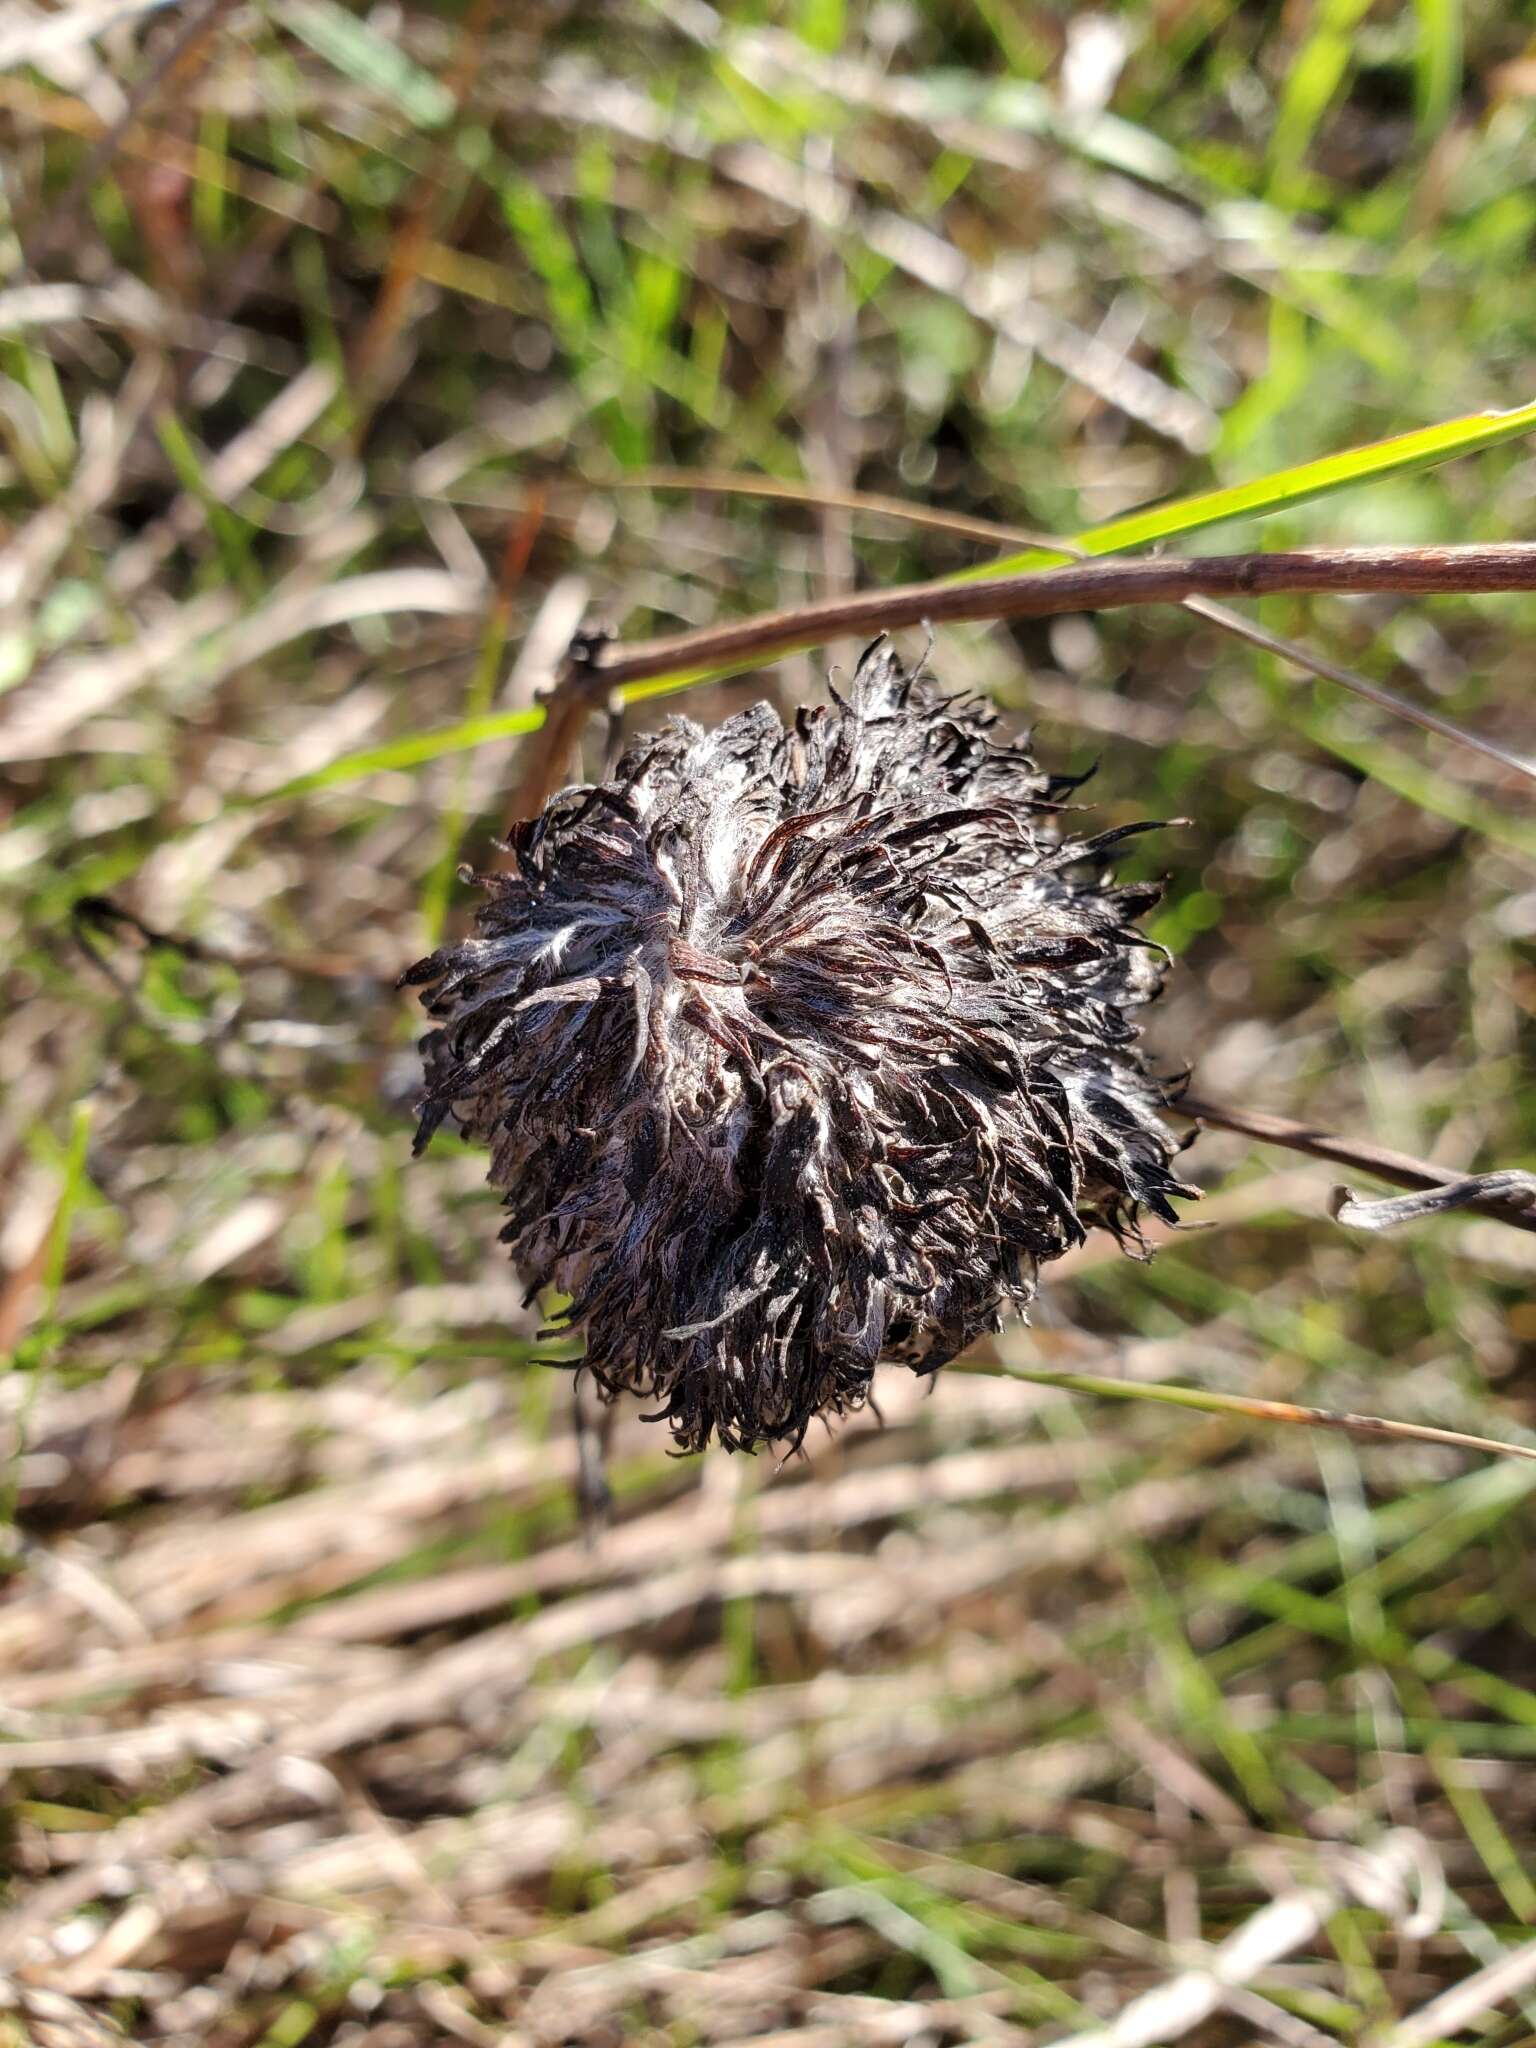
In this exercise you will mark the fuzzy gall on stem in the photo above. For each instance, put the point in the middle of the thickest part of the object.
(796, 1050)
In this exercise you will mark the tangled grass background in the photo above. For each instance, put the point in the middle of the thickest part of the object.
(348, 361)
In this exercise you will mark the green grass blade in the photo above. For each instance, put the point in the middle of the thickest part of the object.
(370, 59)
(1253, 1409)
(230, 533)
(37, 1351)
(1280, 491)
(1437, 63)
(409, 752)
(1315, 77)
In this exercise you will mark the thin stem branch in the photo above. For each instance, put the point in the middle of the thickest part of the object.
(1373, 693)
(1079, 587)
(580, 689)
(1400, 1169)
(596, 669)
(730, 483)
(1253, 1408)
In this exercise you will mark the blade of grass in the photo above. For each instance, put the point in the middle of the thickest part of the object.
(409, 752)
(1437, 64)
(1280, 491)
(1254, 1410)
(230, 532)
(1480, 1825)
(34, 1352)
(371, 60)
(1314, 78)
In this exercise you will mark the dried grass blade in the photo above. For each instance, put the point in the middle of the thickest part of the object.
(1253, 1409)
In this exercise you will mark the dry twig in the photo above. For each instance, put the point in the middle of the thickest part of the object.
(597, 667)
(1079, 587)
(1400, 1168)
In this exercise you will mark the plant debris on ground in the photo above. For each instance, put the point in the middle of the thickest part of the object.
(351, 360)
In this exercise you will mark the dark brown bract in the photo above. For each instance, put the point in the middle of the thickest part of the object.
(799, 1050)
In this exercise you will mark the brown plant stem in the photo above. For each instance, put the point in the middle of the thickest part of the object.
(596, 666)
(549, 756)
(1401, 1169)
(1078, 587)
(551, 751)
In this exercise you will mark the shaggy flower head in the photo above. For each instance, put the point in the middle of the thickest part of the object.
(799, 1050)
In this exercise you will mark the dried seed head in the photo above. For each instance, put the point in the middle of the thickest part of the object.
(796, 1050)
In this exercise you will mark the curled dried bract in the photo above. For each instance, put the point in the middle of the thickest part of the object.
(796, 1050)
